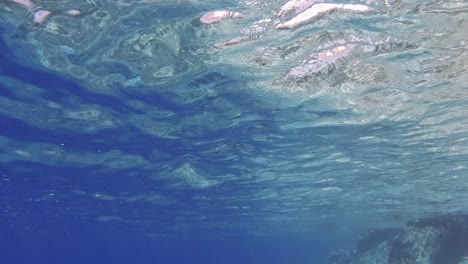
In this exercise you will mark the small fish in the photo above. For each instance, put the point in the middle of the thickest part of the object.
(215, 16)
(320, 61)
(40, 15)
(317, 9)
(295, 5)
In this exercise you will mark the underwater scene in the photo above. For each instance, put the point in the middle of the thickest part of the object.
(241, 131)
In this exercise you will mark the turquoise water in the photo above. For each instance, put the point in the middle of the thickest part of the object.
(132, 133)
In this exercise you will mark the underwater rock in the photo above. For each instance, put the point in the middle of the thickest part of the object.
(435, 240)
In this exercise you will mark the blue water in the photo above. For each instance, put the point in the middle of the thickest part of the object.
(128, 135)
(43, 223)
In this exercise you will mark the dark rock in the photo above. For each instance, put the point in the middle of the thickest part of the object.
(416, 245)
(342, 256)
(372, 238)
(434, 240)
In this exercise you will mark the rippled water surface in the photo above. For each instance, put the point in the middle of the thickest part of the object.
(137, 116)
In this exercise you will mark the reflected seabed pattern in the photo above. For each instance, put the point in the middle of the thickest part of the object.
(294, 116)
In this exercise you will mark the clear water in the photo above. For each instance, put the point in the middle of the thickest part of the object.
(128, 135)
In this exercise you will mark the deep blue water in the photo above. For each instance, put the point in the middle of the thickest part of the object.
(113, 244)
(131, 135)
(34, 231)
(60, 232)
